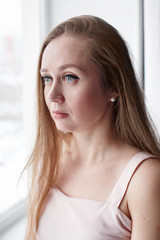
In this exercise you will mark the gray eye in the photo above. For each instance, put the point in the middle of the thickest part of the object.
(46, 79)
(70, 78)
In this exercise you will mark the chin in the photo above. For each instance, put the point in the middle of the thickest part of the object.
(63, 129)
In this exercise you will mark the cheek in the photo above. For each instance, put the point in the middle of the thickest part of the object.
(86, 101)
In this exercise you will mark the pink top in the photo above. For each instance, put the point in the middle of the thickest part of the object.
(68, 218)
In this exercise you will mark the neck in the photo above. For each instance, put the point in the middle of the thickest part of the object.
(93, 147)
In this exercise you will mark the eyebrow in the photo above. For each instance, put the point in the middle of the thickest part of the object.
(64, 67)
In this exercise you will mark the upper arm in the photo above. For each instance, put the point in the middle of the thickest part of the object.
(144, 201)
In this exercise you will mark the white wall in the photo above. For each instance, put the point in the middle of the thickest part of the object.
(152, 58)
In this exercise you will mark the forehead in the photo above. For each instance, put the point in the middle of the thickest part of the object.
(64, 49)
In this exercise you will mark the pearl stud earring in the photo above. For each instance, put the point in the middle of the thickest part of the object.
(112, 99)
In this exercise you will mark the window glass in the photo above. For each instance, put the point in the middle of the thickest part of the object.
(11, 101)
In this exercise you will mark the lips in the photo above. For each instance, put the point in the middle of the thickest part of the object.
(59, 115)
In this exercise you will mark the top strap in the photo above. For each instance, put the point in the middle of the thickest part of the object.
(126, 176)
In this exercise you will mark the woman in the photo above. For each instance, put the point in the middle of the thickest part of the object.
(95, 164)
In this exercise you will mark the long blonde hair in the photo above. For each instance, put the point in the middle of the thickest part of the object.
(131, 121)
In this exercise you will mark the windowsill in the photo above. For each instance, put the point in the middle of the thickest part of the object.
(12, 215)
(13, 188)
(13, 193)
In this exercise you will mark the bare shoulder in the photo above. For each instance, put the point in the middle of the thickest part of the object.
(148, 173)
(143, 199)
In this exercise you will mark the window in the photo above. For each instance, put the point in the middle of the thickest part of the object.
(12, 151)
(19, 49)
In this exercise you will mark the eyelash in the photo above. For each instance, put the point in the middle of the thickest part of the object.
(73, 77)
(45, 78)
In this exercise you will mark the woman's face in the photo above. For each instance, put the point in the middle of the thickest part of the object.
(72, 88)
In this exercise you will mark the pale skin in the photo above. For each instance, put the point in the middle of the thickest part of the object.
(78, 105)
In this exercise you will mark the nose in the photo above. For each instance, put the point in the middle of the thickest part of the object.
(55, 93)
